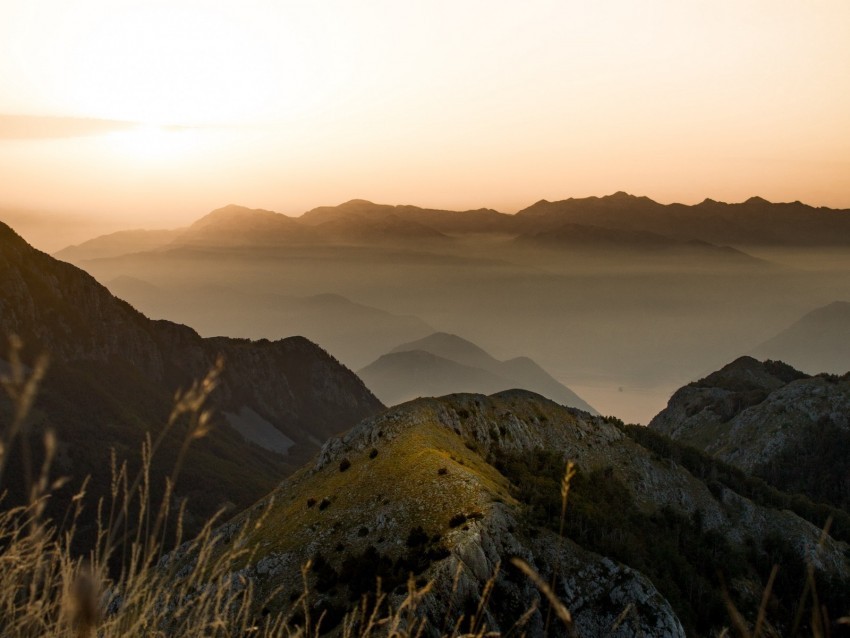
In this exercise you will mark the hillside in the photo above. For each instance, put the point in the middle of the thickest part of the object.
(451, 489)
(113, 373)
(771, 421)
(443, 363)
(817, 342)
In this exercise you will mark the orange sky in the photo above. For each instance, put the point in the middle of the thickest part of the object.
(290, 105)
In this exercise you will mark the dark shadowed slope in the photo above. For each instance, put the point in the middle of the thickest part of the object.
(818, 342)
(442, 363)
(113, 375)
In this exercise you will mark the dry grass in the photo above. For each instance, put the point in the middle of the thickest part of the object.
(48, 591)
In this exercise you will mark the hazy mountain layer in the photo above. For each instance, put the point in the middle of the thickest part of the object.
(448, 489)
(770, 420)
(353, 332)
(442, 363)
(615, 220)
(751, 223)
(123, 242)
(113, 374)
(616, 319)
(818, 342)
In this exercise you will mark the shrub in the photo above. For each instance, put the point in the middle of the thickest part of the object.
(344, 464)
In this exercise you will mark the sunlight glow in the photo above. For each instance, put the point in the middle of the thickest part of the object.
(151, 143)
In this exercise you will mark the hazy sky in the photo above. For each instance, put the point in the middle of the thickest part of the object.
(290, 105)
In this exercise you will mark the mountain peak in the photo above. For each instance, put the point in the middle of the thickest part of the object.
(756, 200)
(358, 202)
(747, 374)
(450, 346)
(10, 237)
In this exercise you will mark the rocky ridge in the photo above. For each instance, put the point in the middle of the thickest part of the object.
(748, 411)
(423, 477)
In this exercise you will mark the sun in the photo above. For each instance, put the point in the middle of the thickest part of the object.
(150, 143)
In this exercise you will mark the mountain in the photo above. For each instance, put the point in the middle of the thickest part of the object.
(239, 226)
(584, 237)
(402, 376)
(123, 242)
(360, 228)
(770, 420)
(443, 363)
(819, 341)
(113, 373)
(451, 489)
(483, 220)
(353, 332)
(614, 220)
(754, 222)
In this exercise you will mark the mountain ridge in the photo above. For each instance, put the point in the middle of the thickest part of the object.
(458, 365)
(443, 488)
(752, 222)
(113, 374)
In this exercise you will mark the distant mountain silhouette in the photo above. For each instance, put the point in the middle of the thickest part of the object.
(113, 375)
(753, 222)
(353, 332)
(818, 342)
(239, 226)
(443, 363)
(124, 242)
(616, 220)
(443, 221)
(364, 228)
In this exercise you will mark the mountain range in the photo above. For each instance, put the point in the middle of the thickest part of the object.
(443, 363)
(113, 374)
(620, 220)
(665, 529)
(624, 297)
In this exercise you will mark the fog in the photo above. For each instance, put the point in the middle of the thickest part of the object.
(623, 327)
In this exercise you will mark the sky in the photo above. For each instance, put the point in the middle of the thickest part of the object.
(150, 114)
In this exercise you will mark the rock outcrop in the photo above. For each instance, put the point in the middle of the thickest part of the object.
(446, 489)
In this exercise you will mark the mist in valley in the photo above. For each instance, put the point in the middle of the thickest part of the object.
(621, 319)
